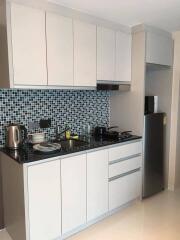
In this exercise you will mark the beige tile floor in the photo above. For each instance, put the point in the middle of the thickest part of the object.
(156, 218)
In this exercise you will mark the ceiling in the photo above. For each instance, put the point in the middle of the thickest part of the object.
(164, 14)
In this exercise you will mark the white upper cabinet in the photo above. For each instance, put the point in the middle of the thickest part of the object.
(73, 176)
(106, 39)
(159, 49)
(84, 54)
(59, 32)
(97, 184)
(47, 49)
(44, 199)
(123, 57)
(28, 45)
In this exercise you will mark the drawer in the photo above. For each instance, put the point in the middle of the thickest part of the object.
(124, 190)
(124, 151)
(124, 166)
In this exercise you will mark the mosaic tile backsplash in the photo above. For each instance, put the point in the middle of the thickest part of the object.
(73, 107)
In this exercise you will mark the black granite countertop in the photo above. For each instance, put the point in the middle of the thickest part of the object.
(26, 154)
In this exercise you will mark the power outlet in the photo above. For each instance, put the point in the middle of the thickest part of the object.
(45, 123)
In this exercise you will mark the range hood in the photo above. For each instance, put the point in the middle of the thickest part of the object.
(113, 86)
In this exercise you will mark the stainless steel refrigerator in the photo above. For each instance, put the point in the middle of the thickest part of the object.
(153, 163)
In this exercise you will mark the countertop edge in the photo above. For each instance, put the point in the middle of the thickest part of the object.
(68, 155)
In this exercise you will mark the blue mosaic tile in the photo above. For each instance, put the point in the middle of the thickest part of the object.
(73, 107)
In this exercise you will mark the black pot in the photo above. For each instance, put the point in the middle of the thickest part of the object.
(100, 131)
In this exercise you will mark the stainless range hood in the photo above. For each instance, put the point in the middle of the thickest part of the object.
(113, 86)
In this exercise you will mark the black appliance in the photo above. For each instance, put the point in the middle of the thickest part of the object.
(99, 131)
(102, 132)
(153, 165)
(151, 104)
(107, 87)
(101, 86)
(120, 136)
(109, 134)
(125, 135)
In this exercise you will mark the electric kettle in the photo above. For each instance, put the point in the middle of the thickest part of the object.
(15, 136)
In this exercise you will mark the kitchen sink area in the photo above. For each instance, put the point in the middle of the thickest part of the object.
(72, 143)
(27, 154)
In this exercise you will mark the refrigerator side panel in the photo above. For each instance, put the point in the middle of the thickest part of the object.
(153, 175)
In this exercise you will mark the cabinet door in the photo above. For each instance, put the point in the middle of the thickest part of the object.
(84, 54)
(73, 173)
(28, 45)
(124, 189)
(105, 54)
(97, 184)
(44, 201)
(123, 57)
(59, 50)
(159, 49)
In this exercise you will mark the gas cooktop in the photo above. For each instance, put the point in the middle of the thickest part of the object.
(114, 135)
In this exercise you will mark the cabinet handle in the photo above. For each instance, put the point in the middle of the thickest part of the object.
(124, 159)
(124, 174)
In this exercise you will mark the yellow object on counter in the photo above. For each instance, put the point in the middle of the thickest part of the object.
(68, 134)
(76, 137)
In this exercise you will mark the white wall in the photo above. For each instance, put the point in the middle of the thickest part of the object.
(177, 166)
(1, 204)
(159, 83)
(174, 155)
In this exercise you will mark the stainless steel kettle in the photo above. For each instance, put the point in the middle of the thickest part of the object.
(15, 136)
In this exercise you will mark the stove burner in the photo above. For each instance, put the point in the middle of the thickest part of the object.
(115, 135)
(125, 135)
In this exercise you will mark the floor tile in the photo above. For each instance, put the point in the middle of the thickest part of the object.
(156, 218)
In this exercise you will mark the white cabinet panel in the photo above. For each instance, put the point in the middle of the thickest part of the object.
(125, 166)
(105, 54)
(28, 45)
(59, 32)
(159, 49)
(73, 175)
(123, 57)
(84, 54)
(44, 201)
(124, 189)
(97, 184)
(124, 151)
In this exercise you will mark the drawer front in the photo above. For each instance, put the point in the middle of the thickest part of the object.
(124, 151)
(124, 166)
(124, 189)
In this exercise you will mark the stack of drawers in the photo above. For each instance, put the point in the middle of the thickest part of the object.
(124, 174)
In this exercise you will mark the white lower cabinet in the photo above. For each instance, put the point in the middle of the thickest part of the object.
(66, 194)
(125, 166)
(97, 184)
(124, 189)
(125, 151)
(73, 177)
(44, 198)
